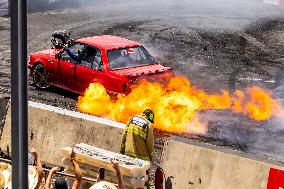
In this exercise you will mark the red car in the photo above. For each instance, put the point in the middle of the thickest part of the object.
(114, 62)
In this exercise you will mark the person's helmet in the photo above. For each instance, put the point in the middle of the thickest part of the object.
(60, 183)
(149, 114)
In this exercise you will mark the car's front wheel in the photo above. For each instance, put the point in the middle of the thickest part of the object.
(40, 77)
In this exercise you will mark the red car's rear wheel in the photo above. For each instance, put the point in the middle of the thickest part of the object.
(40, 77)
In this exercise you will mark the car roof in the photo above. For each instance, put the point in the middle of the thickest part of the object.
(108, 42)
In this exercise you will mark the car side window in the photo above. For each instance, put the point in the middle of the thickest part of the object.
(73, 53)
(92, 58)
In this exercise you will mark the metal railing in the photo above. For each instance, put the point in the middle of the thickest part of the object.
(56, 173)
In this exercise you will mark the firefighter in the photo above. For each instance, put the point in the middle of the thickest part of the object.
(138, 137)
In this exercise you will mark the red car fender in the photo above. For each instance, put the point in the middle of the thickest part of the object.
(114, 82)
(35, 61)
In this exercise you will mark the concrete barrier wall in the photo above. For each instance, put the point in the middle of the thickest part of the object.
(194, 165)
(51, 128)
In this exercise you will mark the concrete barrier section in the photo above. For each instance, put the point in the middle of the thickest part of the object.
(187, 164)
(194, 165)
(52, 128)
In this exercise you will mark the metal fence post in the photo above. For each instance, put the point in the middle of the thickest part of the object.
(19, 103)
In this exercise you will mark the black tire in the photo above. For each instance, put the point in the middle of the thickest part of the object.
(40, 77)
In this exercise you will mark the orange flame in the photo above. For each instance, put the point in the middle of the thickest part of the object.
(176, 103)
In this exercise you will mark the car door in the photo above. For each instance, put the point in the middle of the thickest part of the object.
(88, 70)
(67, 65)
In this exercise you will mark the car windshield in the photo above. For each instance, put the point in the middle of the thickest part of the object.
(129, 58)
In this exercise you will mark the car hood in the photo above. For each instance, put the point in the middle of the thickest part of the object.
(48, 51)
(142, 70)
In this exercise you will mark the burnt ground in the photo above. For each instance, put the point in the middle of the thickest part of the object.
(215, 50)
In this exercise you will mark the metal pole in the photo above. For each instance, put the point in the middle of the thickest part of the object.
(19, 102)
(57, 173)
(73, 176)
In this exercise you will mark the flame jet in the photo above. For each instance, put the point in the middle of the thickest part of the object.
(175, 104)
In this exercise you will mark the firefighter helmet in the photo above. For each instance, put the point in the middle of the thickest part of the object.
(149, 114)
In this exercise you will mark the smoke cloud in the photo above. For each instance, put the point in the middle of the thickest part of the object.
(211, 14)
(172, 8)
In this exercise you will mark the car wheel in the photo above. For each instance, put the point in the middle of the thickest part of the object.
(40, 77)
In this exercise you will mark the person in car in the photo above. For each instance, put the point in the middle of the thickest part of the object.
(86, 54)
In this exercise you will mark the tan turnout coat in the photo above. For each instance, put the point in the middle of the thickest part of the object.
(138, 138)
